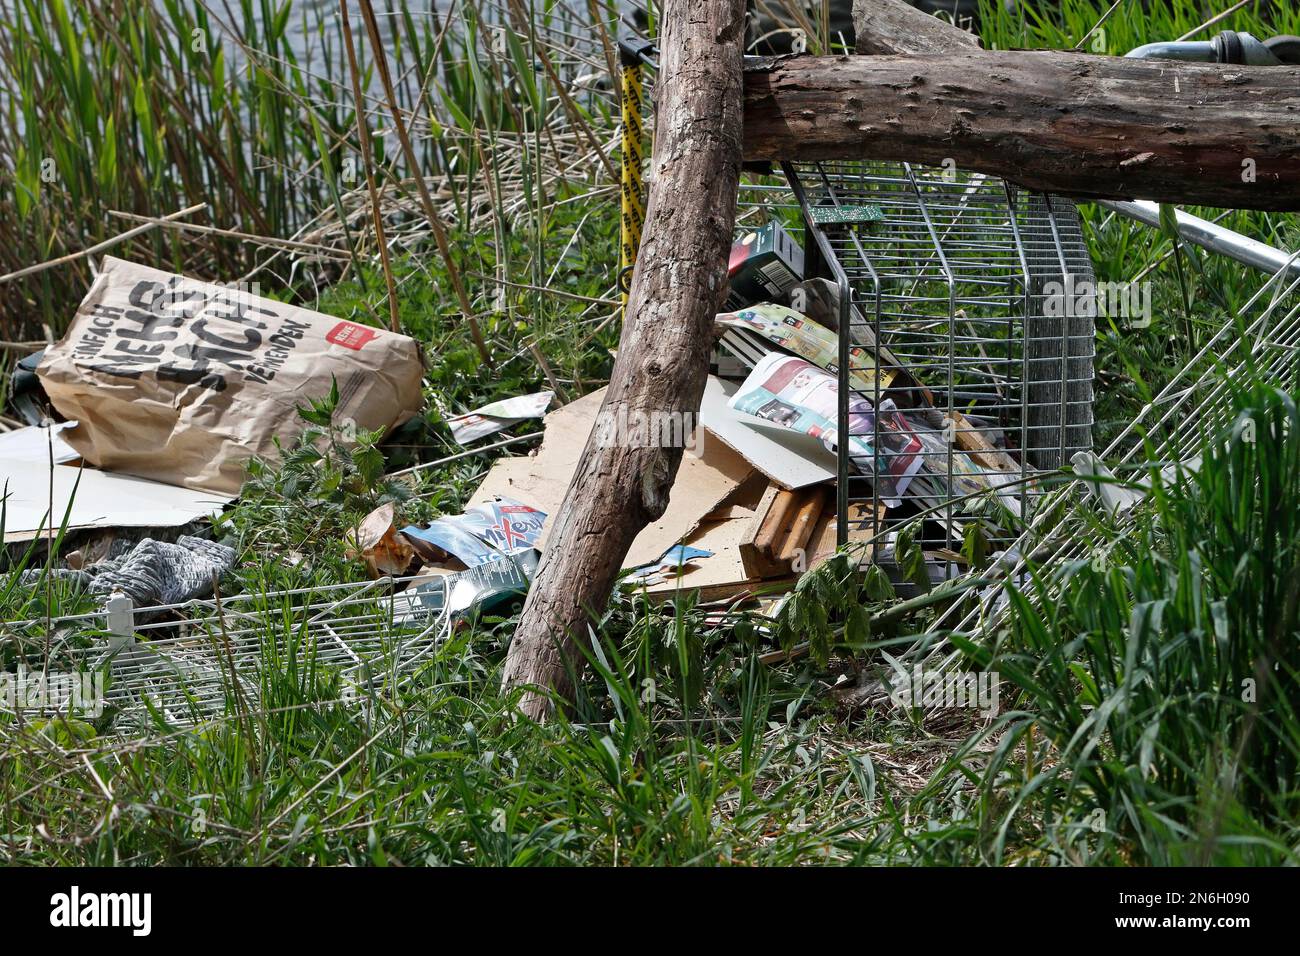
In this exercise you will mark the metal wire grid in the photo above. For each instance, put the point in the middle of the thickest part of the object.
(956, 285)
(1197, 401)
(192, 663)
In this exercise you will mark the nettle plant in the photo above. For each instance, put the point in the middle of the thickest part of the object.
(329, 478)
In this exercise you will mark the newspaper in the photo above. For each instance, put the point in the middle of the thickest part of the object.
(492, 418)
(959, 476)
(796, 394)
(807, 339)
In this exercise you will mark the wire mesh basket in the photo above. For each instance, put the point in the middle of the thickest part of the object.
(965, 310)
(175, 666)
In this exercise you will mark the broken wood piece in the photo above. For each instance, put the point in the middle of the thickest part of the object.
(863, 522)
(971, 440)
(783, 525)
(823, 544)
(775, 524)
(756, 557)
(801, 524)
(892, 26)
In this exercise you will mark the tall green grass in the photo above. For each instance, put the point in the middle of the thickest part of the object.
(148, 108)
(1154, 717)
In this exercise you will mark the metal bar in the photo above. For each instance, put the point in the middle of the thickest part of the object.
(1209, 236)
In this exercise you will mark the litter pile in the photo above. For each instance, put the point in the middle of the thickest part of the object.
(754, 503)
(167, 387)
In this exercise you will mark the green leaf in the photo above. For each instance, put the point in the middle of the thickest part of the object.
(910, 558)
(975, 545)
(106, 161)
(369, 463)
(1169, 220)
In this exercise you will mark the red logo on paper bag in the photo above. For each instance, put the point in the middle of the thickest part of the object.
(350, 335)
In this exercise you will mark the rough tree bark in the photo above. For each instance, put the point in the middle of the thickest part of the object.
(892, 26)
(662, 363)
(1067, 123)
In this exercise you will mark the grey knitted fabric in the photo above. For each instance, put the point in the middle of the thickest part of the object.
(154, 572)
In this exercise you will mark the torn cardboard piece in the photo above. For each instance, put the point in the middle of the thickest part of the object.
(103, 500)
(37, 443)
(708, 476)
(789, 458)
(721, 576)
(183, 381)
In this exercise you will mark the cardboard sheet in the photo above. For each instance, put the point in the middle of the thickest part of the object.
(34, 444)
(790, 459)
(721, 575)
(704, 481)
(102, 500)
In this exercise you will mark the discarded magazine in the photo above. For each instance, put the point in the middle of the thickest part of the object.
(802, 336)
(485, 532)
(498, 415)
(795, 394)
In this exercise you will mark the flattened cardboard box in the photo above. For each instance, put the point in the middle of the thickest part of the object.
(183, 381)
(707, 477)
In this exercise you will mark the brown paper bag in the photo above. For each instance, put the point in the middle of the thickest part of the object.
(182, 381)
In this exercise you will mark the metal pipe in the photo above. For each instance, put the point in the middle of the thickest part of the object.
(1207, 235)
(1197, 51)
(1228, 47)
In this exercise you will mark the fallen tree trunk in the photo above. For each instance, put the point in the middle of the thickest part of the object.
(663, 355)
(1068, 123)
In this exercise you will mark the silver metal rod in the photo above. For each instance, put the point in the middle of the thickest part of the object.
(1207, 235)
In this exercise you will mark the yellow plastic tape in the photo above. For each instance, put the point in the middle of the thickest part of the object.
(633, 205)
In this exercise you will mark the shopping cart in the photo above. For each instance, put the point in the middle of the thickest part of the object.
(969, 299)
